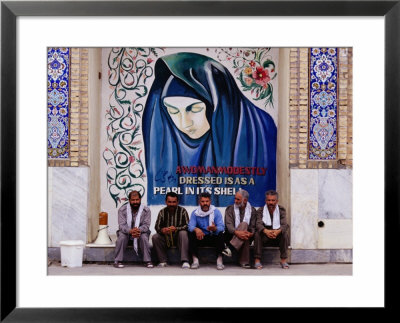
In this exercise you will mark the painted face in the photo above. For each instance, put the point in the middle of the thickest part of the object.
(134, 201)
(271, 201)
(205, 203)
(188, 115)
(172, 203)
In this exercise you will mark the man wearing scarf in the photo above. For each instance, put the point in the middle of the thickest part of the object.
(240, 223)
(171, 227)
(271, 229)
(134, 223)
(206, 228)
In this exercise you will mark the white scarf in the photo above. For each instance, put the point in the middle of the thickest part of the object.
(247, 214)
(276, 221)
(137, 221)
(199, 212)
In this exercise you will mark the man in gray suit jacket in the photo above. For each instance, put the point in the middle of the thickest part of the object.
(134, 224)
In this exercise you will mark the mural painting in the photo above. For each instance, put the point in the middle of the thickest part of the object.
(189, 121)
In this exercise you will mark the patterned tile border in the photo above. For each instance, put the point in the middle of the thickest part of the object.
(58, 98)
(323, 102)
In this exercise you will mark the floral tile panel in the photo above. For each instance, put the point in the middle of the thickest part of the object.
(58, 69)
(323, 104)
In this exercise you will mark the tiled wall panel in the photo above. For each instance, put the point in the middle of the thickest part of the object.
(323, 104)
(58, 87)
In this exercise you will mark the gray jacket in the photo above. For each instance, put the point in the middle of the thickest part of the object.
(144, 224)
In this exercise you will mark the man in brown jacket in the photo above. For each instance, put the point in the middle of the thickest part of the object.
(271, 229)
(171, 227)
(240, 221)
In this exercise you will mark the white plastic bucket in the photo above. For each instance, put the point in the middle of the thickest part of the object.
(71, 253)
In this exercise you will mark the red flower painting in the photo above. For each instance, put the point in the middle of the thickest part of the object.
(261, 76)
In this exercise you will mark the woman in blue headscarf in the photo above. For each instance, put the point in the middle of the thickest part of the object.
(195, 115)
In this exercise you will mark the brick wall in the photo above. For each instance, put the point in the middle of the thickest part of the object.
(345, 107)
(79, 111)
(299, 111)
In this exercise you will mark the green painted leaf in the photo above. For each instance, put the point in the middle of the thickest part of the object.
(124, 102)
(141, 91)
(244, 84)
(268, 63)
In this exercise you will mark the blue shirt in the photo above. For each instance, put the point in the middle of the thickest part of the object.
(202, 222)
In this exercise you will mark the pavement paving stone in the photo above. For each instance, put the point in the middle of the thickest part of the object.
(89, 269)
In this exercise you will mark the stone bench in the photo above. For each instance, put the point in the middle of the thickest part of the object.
(206, 255)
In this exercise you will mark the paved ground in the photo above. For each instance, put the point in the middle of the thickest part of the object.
(55, 268)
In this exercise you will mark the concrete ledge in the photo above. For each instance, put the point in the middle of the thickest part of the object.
(304, 256)
(206, 255)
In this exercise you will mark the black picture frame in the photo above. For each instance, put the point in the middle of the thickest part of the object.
(10, 10)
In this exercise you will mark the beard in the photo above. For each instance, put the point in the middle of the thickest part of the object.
(172, 209)
(205, 208)
(135, 206)
(239, 205)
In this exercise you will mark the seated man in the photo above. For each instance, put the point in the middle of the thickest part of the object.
(271, 229)
(171, 227)
(134, 222)
(240, 222)
(206, 228)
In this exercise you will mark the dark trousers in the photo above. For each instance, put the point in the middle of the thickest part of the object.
(122, 242)
(180, 240)
(216, 241)
(261, 240)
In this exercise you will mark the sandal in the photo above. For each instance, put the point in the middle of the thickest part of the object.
(284, 265)
(220, 266)
(118, 265)
(258, 265)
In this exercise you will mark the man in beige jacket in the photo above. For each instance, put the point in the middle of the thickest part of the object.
(240, 220)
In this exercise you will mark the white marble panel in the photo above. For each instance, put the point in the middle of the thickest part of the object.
(68, 196)
(304, 208)
(335, 200)
(336, 234)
